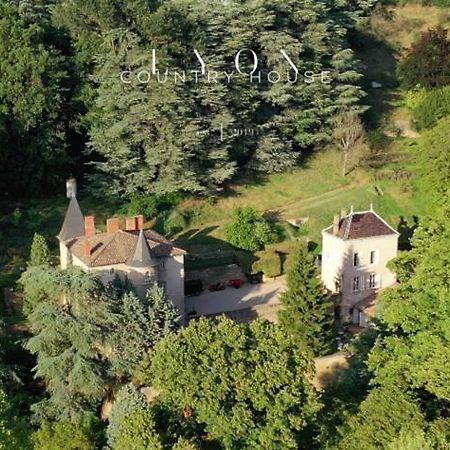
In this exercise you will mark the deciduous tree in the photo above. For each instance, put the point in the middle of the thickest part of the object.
(247, 385)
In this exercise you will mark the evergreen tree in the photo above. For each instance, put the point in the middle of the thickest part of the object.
(39, 254)
(132, 424)
(71, 336)
(140, 325)
(190, 136)
(308, 313)
(163, 314)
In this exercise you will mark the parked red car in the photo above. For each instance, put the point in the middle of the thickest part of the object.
(236, 282)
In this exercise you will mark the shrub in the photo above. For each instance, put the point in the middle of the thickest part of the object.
(62, 435)
(269, 263)
(150, 205)
(249, 230)
(434, 106)
(174, 222)
(414, 97)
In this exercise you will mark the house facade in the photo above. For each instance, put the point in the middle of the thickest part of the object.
(133, 252)
(355, 253)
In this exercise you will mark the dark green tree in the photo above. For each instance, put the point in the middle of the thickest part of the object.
(15, 431)
(308, 310)
(427, 62)
(34, 96)
(71, 339)
(140, 325)
(39, 254)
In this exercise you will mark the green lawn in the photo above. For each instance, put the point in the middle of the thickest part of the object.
(317, 191)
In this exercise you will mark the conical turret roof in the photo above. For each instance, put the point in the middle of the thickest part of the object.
(142, 256)
(73, 225)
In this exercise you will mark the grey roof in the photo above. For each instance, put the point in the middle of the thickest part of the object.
(142, 256)
(73, 225)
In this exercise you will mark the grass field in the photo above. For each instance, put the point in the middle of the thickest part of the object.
(317, 191)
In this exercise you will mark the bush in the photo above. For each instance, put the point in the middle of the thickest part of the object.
(434, 106)
(414, 97)
(249, 230)
(174, 222)
(150, 205)
(269, 263)
(64, 435)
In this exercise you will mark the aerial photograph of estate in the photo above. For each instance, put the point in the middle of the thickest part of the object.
(225, 225)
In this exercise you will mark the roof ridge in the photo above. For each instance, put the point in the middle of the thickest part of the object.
(349, 222)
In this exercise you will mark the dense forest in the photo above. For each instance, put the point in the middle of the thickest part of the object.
(144, 101)
(65, 101)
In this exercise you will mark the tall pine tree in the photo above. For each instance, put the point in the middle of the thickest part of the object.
(308, 313)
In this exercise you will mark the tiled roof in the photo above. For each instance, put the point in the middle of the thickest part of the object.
(73, 225)
(360, 225)
(120, 247)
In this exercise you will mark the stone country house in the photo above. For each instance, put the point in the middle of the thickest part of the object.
(139, 254)
(355, 253)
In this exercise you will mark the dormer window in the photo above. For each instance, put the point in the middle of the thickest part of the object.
(355, 259)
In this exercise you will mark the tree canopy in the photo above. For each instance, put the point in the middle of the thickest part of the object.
(239, 382)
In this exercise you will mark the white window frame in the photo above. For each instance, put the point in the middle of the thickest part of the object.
(356, 287)
(372, 280)
(374, 260)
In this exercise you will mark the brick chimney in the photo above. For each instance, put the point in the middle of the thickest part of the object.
(140, 222)
(89, 226)
(134, 223)
(86, 248)
(130, 224)
(336, 222)
(112, 225)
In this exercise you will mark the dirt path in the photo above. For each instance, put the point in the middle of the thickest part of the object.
(315, 199)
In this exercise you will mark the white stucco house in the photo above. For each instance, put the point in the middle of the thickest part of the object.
(355, 253)
(139, 254)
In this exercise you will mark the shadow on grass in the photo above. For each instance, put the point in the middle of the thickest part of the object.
(378, 58)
